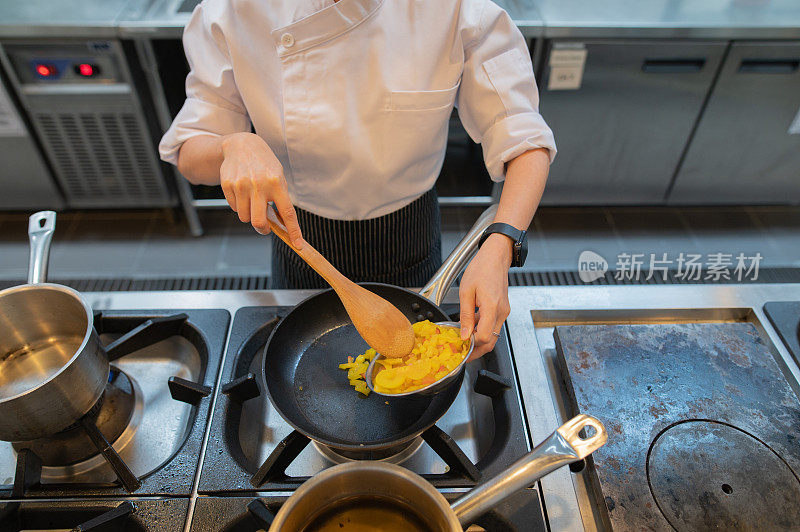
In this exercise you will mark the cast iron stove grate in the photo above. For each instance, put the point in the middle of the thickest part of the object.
(141, 343)
(163, 515)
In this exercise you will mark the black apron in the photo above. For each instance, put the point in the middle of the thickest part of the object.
(402, 248)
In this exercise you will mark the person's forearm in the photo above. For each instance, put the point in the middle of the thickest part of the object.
(200, 158)
(526, 176)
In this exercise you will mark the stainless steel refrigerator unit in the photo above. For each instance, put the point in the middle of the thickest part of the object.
(24, 176)
(747, 145)
(622, 112)
(83, 104)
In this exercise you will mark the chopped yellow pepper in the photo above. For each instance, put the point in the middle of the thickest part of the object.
(437, 351)
(356, 369)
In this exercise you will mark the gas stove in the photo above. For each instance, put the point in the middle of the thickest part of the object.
(184, 429)
(226, 461)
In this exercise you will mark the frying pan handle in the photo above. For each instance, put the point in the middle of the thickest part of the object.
(564, 446)
(41, 227)
(458, 259)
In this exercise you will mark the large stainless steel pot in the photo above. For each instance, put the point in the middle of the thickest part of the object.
(53, 368)
(342, 486)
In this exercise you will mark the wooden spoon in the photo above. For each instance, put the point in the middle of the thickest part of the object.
(378, 322)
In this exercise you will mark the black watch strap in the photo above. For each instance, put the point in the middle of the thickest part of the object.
(517, 235)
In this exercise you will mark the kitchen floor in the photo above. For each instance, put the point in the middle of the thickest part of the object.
(148, 244)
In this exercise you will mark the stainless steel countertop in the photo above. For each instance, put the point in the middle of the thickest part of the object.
(525, 15)
(152, 18)
(160, 18)
(726, 19)
(60, 18)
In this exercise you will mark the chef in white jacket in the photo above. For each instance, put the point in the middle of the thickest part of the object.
(349, 101)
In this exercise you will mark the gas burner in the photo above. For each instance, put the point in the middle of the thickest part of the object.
(113, 415)
(392, 455)
(251, 447)
(145, 433)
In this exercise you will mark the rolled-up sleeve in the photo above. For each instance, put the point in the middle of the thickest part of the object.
(498, 101)
(213, 104)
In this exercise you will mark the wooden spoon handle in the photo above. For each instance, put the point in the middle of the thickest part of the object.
(379, 323)
(308, 253)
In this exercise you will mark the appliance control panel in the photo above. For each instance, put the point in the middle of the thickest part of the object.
(65, 63)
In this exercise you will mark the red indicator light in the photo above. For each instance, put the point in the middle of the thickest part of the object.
(45, 70)
(85, 69)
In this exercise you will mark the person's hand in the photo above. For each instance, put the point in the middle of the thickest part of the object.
(251, 176)
(485, 285)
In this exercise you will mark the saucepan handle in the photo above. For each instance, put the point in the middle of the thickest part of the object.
(574, 440)
(458, 259)
(41, 227)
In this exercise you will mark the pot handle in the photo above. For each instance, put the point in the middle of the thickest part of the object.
(564, 446)
(455, 263)
(41, 227)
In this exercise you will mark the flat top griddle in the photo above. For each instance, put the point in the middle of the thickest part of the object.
(704, 430)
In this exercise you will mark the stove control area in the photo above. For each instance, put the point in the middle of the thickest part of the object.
(64, 63)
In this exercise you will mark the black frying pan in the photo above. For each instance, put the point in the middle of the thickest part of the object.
(313, 395)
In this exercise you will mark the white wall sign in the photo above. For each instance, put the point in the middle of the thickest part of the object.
(566, 68)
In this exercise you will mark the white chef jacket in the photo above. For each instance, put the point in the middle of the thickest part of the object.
(354, 97)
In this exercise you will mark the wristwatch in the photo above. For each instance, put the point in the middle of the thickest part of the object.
(517, 236)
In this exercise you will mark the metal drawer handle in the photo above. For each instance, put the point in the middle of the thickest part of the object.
(769, 66)
(673, 66)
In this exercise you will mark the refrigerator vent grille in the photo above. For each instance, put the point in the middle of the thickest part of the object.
(102, 156)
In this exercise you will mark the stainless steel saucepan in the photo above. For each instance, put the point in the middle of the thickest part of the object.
(53, 368)
(357, 493)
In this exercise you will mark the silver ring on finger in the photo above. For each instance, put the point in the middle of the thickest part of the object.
(497, 334)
